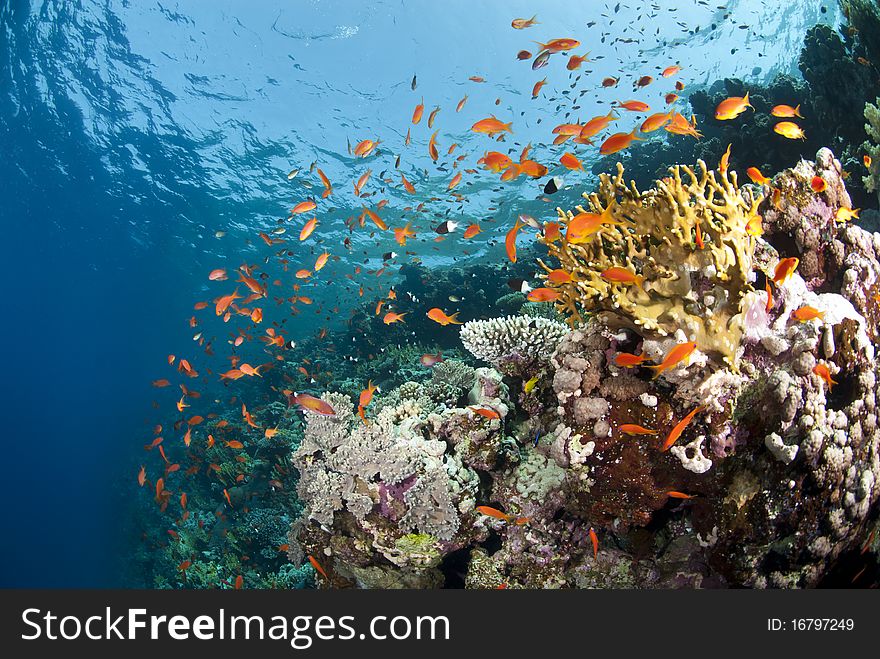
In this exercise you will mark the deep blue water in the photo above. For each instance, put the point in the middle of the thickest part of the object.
(130, 132)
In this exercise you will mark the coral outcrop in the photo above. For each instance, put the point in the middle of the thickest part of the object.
(752, 461)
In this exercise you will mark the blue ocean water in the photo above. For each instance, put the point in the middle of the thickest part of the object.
(132, 132)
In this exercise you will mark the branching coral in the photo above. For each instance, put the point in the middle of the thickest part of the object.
(654, 236)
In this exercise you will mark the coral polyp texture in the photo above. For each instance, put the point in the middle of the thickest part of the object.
(688, 240)
(752, 458)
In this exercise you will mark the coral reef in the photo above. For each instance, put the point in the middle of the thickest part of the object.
(771, 477)
(872, 148)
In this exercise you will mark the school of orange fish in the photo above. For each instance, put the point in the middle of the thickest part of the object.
(198, 438)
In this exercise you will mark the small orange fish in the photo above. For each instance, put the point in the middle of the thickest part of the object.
(497, 514)
(472, 231)
(226, 496)
(618, 142)
(142, 476)
(628, 360)
(537, 88)
(789, 130)
(757, 177)
(818, 184)
(675, 433)
(731, 108)
(807, 312)
(675, 356)
(402, 233)
(618, 275)
(823, 372)
(438, 316)
(305, 401)
(673, 494)
(784, 269)
(609, 82)
(321, 261)
(670, 98)
(786, 111)
(670, 71)
(270, 433)
(392, 317)
(595, 540)
(559, 276)
(366, 396)
(635, 429)
(490, 126)
(725, 160)
(510, 240)
(866, 159)
(317, 566)
(218, 275)
(432, 147)
(656, 121)
(575, 61)
(542, 295)
(485, 412)
(569, 161)
(161, 383)
(769, 290)
(523, 23)
(417, 113)
(304, 207)
(407, 185)
(234, 444)
(558, 45)
(583, 225)
(239, 580)
(365, 148)
(461, 103)
(634, 106)
(454, 182)
(495, 161)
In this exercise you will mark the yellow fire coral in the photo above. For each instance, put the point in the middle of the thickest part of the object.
(691, 241)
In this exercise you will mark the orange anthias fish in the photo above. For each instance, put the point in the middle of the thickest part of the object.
(731, 108)
(575, 61)
(510, 241)
(366, 396)
(304, 207)
(570, 161)
(365, 148)
(790, 130)
(618, 275)
(594, 539)
(537, 88)
(674, 357)
(471, 231)
(317, 566)
(432, 147)
(409, 187)
(757, 177)
(786, 111)
(402, 233)
(656, 121)
(312, 404)
(584, 225)
(558, 45)
(321, 261)
(308, 228)
(560, 276)
(596, 125)
(218, 275)
(142, 476)
(438, 316)
(675, 433)
(823, 372)
(490, 126)
(635, 429)
(618, 142)
(629, 360)
(417, 113)
(674, 494)
(497, 514)
(542, 295)
(392, 317)
(523, 23)
(784, 269)
(223, 302)
(806, 313)
(670, 71)
(634, 106)
(495, 161)
(609, 82)
(486, 412)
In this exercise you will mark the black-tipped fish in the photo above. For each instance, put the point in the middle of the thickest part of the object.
(387, 256)
(446, 227)
(554, 185)
(519, 285)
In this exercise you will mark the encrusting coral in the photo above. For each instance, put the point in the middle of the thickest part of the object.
(872, 148)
